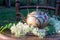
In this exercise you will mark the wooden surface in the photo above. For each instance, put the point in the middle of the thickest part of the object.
(11, 37)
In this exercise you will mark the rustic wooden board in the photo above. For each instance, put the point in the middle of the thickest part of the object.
(11, 37)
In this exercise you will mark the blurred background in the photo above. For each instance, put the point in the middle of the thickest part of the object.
(8, 14)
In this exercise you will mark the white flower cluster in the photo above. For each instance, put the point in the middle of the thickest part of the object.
(56, 24)
(39, 32)
(22, 29)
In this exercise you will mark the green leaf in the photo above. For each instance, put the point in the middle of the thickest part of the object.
(3, 29)
(9, 25)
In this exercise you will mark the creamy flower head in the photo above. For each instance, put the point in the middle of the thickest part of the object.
(22, 29)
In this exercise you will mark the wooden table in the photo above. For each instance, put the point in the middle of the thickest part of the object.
(11, 37)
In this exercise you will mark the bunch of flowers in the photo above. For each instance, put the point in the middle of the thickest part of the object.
(39, 32)
(21, 29)
(55, 23)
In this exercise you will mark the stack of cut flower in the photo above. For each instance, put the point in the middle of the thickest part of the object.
(55, 23)
(21, 29)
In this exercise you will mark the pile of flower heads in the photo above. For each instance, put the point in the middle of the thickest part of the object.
(21, 29)
(55, 23)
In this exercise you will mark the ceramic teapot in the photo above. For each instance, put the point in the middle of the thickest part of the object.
(37, 19)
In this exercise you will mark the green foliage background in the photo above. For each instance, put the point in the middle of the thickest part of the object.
(9, 14)
(32, 2)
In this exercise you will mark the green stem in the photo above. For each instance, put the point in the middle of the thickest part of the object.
(3, 29)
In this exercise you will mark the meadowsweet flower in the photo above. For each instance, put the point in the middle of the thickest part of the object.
(39, 32)
(55, 23)
(21, 29)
